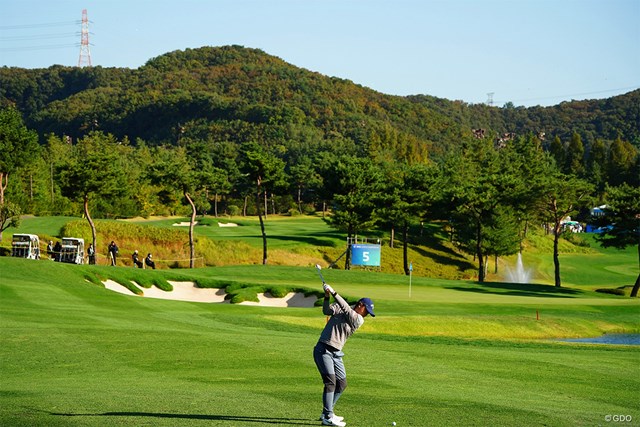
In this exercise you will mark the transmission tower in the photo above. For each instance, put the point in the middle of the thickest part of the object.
(490, 99)
(85, 54)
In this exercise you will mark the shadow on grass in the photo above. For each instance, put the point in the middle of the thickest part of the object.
(520, 289)
(310, 240)
(453, 259)
(237, 418)
(434, 237)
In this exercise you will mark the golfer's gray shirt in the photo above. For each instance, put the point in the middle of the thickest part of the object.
(343, 322)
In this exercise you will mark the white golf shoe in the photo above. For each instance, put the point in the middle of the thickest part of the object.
(335, 417)
(333, 421)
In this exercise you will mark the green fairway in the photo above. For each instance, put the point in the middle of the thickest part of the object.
(43, 225)
(307, 240)
(591, 266)
(454, 353)
(283, 232)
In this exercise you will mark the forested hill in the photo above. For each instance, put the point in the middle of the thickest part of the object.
(238, 94)
(605, 119)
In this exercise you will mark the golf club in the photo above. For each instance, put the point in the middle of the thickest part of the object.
(318, 268)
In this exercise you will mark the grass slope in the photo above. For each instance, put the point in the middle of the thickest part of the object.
(307, 240)
(455, 353)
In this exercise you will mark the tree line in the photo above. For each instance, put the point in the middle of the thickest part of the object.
(486, 195)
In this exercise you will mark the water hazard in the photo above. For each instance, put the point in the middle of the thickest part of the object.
(615, 339)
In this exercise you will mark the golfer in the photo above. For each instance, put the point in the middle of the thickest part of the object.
(328, 353)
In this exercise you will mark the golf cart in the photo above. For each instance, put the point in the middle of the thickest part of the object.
(72, 250)
(25, 246)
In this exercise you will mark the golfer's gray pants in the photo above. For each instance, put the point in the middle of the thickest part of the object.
(334, 376)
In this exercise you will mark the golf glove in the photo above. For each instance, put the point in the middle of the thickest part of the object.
(328, 288)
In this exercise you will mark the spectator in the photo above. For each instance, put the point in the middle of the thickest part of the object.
(57, 251)
(150, 262)
(136, 260)
(113, 252)
(91, 253)
(50, 249)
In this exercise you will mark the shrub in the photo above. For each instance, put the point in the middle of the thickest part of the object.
(212, 283)
(161, 283)
(278, 291)
(234, 210)
(575, 239)
(308, 209)
(237, 286)
(239, 292)
(245, 294)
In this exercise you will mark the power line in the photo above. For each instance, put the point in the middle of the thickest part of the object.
(39, 36)
(628, 88)
(12, 37)
(42, 47)
(43, 25)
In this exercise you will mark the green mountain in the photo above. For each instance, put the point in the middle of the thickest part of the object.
(237, 94)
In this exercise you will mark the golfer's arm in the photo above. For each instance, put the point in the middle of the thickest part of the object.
(326, 306)
(341, 302)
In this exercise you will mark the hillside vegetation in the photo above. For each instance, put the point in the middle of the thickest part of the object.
(232, 92)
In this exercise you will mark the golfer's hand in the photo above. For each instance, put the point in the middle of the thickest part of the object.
(328, 289)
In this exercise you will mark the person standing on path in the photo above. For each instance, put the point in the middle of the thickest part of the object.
(113, 251)
(327, 353)
(91, 253)
(50, 249)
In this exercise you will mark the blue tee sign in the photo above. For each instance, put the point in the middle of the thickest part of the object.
(365, 254)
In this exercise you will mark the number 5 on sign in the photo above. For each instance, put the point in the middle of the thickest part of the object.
(365, 254)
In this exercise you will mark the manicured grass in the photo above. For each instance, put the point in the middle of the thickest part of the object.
(307, 240)
(591, 267)
(454, 354)
(41, 225)
(282, 232)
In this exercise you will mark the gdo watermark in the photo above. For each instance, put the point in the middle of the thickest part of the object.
(616, 418)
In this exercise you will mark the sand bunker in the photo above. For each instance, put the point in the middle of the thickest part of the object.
(184, 224)
(227, 224)
(292, 299)
(116, 287)
(188, 291)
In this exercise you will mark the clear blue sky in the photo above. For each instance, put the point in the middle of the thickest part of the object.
(529, 52)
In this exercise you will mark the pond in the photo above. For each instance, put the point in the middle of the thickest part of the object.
(616, 339)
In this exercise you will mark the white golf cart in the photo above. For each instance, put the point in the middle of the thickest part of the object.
(72, 250)
(25, 246)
